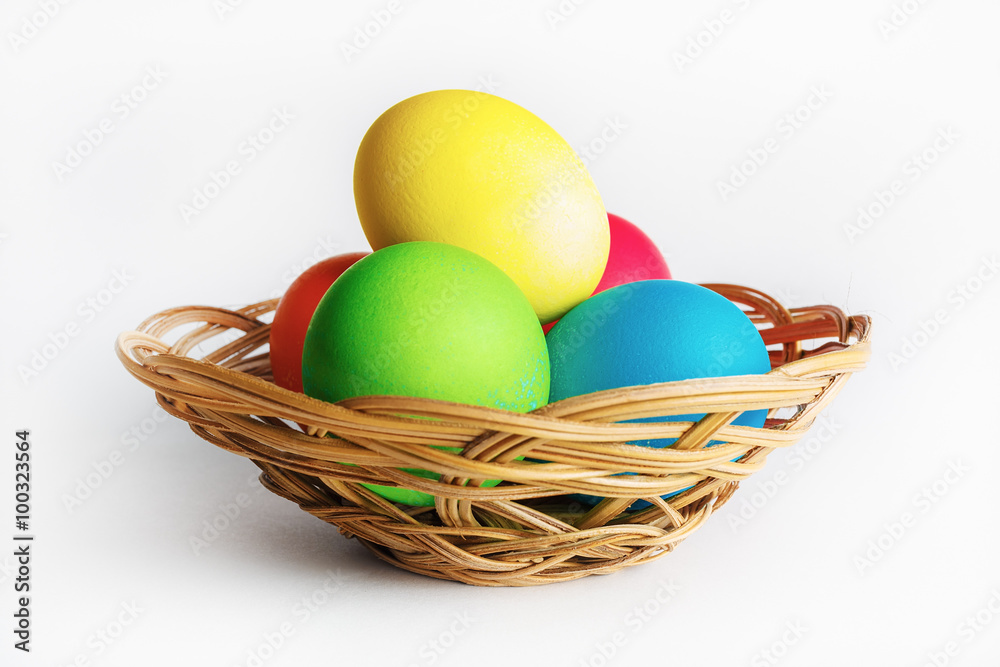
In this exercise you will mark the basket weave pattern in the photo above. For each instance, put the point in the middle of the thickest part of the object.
(528, 530)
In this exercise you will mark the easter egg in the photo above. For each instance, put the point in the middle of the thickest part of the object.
(654, 331)
(295, 309)
(428, 320)
(480, 172)
(632, 256)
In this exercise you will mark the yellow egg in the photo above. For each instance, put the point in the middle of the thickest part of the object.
(480, 172)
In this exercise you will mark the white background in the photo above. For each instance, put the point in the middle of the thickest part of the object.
(819, 553)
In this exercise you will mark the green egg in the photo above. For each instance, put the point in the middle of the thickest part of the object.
(429, 320)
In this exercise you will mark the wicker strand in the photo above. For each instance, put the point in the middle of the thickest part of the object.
(530, 529)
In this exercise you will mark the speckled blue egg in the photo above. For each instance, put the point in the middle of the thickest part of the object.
(654, 331)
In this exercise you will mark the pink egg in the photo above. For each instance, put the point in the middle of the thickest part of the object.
(633, 257)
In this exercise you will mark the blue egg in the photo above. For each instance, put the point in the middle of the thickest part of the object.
(654, 331)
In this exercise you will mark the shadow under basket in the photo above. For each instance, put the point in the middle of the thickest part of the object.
(530, 529)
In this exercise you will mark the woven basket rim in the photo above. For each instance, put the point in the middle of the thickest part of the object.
(386, 408)
(524, 531)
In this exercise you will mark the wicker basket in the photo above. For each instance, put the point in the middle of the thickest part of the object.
(530, 529)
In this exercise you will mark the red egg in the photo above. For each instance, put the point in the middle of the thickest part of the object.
(291, 318)
(633, 257)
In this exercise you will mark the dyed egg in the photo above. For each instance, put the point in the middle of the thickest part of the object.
(633, 256)
(429, 320)
(477, 171)
(654, 331)
(295, 309)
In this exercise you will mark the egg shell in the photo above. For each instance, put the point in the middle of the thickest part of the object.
(428, 320)
(632, 256)
(478, 171)
(654, 331)
(292, 316)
